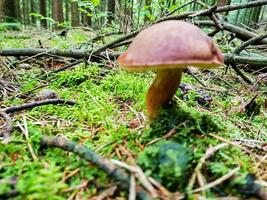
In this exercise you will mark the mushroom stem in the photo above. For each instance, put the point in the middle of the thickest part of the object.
(162, 90)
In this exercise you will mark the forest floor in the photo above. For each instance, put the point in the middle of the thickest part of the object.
(209, 143)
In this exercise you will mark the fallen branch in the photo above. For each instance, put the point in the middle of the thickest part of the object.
(77, 54)
(4, 114)
(104, 164)
(36, 103)
(249, 42)
(228, 57)
(231, 58)
(240, 33)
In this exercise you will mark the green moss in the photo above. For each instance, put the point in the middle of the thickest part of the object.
(107, 100)
(168, 162)
(184, 120)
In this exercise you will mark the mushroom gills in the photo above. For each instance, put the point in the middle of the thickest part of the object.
(162, 90)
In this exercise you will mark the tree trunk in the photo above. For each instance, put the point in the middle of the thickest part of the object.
(67, 11)
(33, 10)
(111, 10)
(18, 10)
(26, 17)
(57, 12)
(43, 13)
(75, 15)
(10, 10)
(86, 20)
(1, 11)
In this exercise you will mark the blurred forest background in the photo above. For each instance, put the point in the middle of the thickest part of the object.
(124, 15)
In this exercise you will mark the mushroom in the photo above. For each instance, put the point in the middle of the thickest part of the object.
(167, 48)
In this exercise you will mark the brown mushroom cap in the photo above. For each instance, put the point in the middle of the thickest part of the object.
(169, 45)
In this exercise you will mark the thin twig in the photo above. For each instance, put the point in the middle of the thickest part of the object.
(77, 62)
(132, 192)
(34, 104)
(180, 7)
(71, 174)
(106, 193)
(140, 175)
(166, 136)
(233, 144)
(210, 152)
(218, 181)
(25, 132)
(77, 187)
(162, 189)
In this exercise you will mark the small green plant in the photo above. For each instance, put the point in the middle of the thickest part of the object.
(41, 183)
(168, 162)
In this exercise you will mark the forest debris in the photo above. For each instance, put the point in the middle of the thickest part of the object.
(210, 152)
(8, 127)
(235, 144)
(240, 33)
(168, 135)
(253, 144)
(45, 94)
(228, 58)
(132, 192)
(72, 173)
(4, 113)
(262, 78)
(36, 103)
(77, 187)
(102, 163)
(251, 41)
(25, 132)
(8, 88)
(105, 194)
(218, 181)
(140, 174)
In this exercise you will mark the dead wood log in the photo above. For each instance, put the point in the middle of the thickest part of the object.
(229, 57)
(240, 33)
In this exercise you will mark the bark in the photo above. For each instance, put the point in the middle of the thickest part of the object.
(43, 13)
(33, 10)
(75, 16)
(86, 18)
(1, 11)
(67, 11)
(111, 10)
(26, 17)
(57, 12)
(78, 54)
(10, 10)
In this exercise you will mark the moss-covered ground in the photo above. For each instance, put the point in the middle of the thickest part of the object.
(109, 117)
